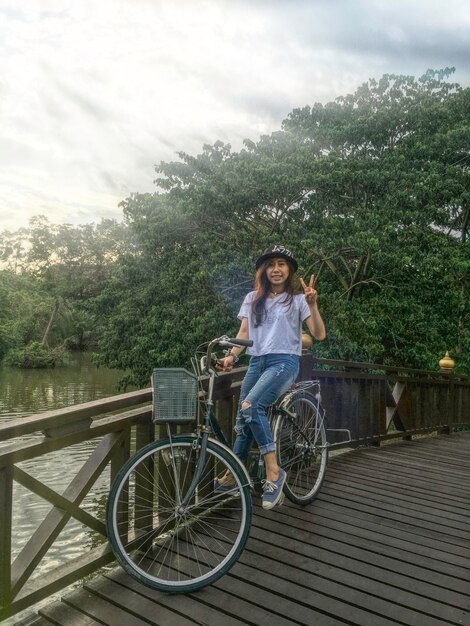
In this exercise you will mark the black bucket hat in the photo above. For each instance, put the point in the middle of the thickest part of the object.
(277, 251)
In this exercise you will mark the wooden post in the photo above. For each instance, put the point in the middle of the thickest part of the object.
(451, 405)
(120, 456)
(224, 411)
(145, 490)
(306, 367)
(6, 496)
(144, 434)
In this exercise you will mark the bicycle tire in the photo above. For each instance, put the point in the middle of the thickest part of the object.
(301, 446)
(162, 547)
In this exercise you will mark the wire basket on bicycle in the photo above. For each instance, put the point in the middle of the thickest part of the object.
(174, 395)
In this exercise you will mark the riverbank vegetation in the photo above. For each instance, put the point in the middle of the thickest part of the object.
(51, 274)
(370, 191)
(36, 355)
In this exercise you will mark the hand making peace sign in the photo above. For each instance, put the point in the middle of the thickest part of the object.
(310, 293)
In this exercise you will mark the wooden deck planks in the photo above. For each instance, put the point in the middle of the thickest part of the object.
(345, 585)
(446, 515)
(205, 607)
(389, 509)
(387, 542)
(59, 613)
(425, 489)
(349, 576)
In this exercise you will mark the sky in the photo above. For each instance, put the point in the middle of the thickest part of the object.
(95, 93)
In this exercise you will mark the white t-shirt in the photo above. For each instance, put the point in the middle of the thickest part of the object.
(280, 330)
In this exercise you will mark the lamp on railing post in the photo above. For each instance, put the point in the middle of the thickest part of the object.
(446, 365)
(306, 342)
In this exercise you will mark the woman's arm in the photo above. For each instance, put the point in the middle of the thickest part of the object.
(229, 361)
(314, 322)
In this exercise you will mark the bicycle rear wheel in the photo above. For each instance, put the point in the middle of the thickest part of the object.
(160, 544)
(302, 447)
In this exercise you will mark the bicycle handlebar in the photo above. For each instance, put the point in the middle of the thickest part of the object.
(238, 342)
(227, 342)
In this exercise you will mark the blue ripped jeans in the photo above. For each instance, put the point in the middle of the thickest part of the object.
(267, 378)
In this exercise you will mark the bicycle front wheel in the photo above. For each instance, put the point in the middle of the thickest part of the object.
(302, 447)
(168, 546)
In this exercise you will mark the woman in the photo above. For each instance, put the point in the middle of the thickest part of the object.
(272, 316)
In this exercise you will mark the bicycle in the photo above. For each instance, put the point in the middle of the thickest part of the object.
(167, 524)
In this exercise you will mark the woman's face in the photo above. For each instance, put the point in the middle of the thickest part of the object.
(277, 271)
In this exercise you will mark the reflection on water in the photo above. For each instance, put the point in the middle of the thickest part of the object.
(26, 392)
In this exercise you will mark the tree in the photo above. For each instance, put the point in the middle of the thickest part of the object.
(24, 309)
(371, 191)
(163, 299)
(67, 265)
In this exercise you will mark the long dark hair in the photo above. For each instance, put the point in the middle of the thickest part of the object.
(263, 287)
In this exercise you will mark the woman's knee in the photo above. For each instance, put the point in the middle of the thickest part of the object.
(245, 413)
(253, 412)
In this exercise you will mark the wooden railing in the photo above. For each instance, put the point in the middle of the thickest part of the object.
(373, 402)
(377, 402)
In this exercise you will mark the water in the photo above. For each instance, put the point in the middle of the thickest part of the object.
(27, 392)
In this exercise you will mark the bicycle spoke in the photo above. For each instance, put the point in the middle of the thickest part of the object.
(173, 547)
(301, 445)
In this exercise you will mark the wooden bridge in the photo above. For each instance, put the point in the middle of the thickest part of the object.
(386, 542)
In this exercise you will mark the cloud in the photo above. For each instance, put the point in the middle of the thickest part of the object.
(93, 95)
(74, 97)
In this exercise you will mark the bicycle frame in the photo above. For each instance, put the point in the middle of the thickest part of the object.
(255, 470)
(209, 425)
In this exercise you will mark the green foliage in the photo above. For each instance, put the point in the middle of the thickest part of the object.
(51, 273)
(36, 356)
(157, 309)
(24, 310)
(371, 191)
(73, 262)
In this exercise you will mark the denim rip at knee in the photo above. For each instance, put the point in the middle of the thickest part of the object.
(266, 379)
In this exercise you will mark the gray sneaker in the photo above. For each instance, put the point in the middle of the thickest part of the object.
(272, 491)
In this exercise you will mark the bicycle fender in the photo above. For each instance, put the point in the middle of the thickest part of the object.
(306, 394)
